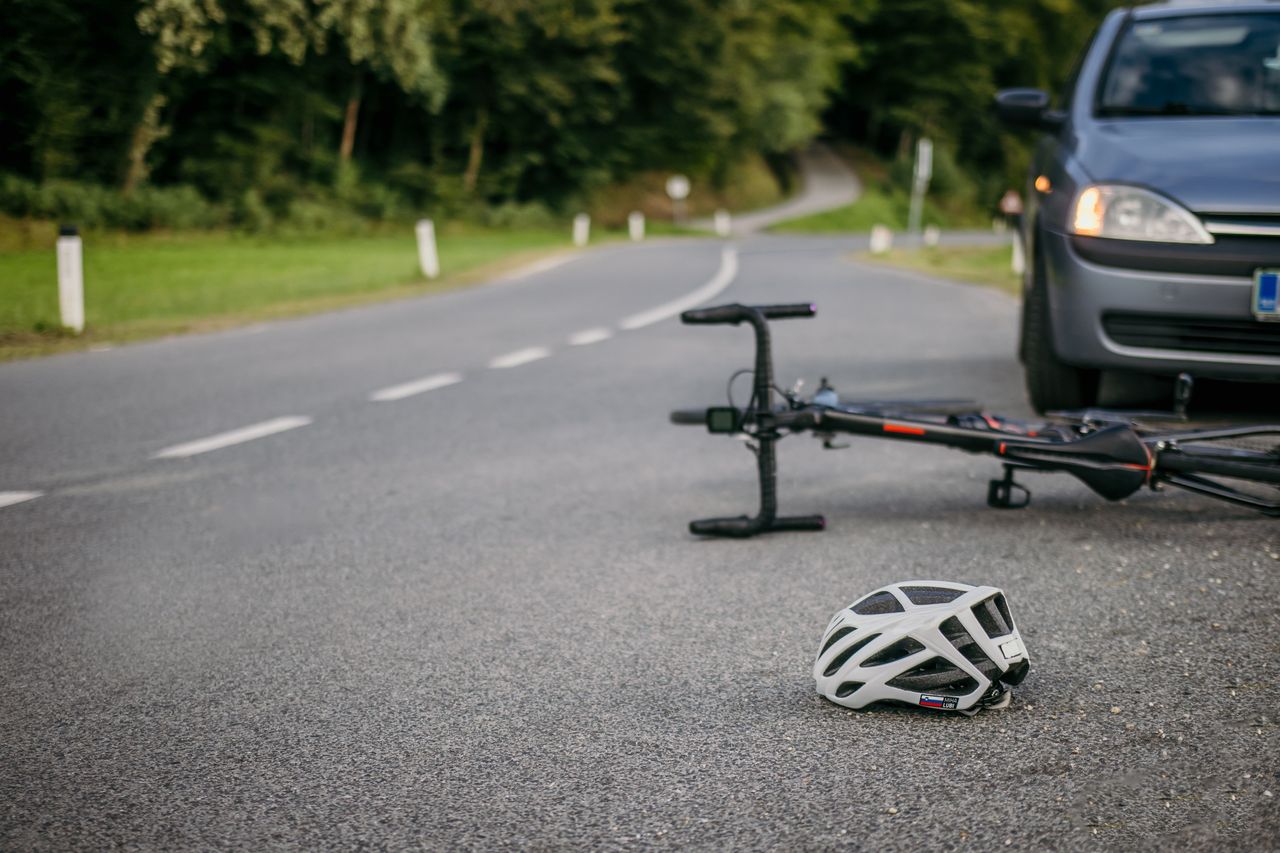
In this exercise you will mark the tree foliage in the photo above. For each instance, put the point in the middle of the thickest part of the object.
(932, 67)
(265, 104)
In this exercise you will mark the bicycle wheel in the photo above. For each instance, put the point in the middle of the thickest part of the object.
(1238, 466)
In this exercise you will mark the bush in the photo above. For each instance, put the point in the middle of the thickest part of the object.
(515, 215)
(311, 215)
(349, 206)
(94, 206)
(180, 207)
(251, 212)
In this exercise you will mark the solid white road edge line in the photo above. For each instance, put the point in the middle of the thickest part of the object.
(418, 386)
(723, 278)
(519, 357)
(590, 336)
(11, 498)
(235, 436)
(544, 265)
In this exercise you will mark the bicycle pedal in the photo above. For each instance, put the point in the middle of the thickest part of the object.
(1007, 494)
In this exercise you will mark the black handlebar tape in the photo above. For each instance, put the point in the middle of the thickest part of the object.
(727, 314)
(733, 314)
(741, 527)
(785, 312)
(738, 528)
(799, 522)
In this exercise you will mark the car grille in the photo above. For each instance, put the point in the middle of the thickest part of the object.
(1247, 225)
(1200, 334)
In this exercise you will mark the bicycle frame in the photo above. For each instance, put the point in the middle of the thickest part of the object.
(1105, 452)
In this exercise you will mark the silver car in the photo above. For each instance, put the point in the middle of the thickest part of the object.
(1153, 220)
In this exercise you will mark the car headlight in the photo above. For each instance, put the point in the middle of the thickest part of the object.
(1132, 213)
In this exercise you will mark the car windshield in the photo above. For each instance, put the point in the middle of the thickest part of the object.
(1209, 65)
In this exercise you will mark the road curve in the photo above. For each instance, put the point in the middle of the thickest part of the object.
(826, 182)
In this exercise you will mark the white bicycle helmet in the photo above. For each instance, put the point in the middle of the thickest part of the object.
(931, 644)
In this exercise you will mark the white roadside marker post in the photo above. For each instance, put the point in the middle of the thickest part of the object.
(635, 225)
(70, 278)
(428, 258)
(920, 184)
(932, 236)
(724, 225)
(581, 229)
(1018, 263)
(881, 239)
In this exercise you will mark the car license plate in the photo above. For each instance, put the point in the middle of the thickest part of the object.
(1266, 294)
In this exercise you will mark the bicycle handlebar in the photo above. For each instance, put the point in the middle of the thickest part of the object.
(735, 313)
(741, 527)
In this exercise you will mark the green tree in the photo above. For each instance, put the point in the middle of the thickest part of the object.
(534, 92)
(67, 103)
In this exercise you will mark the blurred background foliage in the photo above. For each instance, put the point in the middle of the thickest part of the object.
(260, 114)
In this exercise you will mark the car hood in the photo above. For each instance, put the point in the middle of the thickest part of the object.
(1216, 165)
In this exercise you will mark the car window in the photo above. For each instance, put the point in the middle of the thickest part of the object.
(1197, 65)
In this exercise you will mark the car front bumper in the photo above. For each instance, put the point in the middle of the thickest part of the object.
(1162, 322)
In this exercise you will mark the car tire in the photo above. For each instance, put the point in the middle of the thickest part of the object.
(1051, 384)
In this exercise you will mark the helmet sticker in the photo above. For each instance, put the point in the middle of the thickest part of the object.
(945, 703)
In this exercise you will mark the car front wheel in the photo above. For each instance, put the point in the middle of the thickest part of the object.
(1051, 384)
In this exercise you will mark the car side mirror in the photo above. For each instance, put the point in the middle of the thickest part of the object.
(1028, 108)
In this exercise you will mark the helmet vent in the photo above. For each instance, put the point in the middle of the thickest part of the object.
(955, 633)
(899, 650)
(1003, 607)
(843, 632)
(843, 658)
(924, 595)
(936, 675)
(993, 616)
(968, 646)
(877, 605)
(847, 688)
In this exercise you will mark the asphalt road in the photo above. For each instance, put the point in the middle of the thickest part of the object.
(472, 617)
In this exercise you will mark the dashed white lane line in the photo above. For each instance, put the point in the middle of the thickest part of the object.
(11, 498)
(519, 357)
(723, 278)
(418, 386)
(589, 336)
(235, 436)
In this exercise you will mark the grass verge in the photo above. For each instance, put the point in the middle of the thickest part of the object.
(986, 265)
(142, 286)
